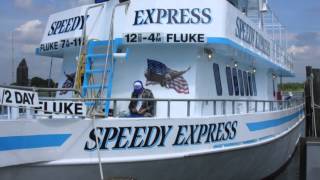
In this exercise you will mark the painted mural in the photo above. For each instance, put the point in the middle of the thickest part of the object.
(158, 73)
(69, 82)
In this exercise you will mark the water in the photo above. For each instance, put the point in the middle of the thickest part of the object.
(292, 170)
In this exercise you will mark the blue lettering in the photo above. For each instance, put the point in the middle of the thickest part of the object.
(136, 137)
(139, 17)
(173, 16)
(67, 25)
(207, 16)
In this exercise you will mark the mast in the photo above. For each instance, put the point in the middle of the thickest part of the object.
(50, 70)
(12, 55)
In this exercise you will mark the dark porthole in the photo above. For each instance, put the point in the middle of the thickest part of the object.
(246, 85)
(241, 82)
(250, 84)
(254, 85)
(235, 81)
(229, 81)
(217, 78)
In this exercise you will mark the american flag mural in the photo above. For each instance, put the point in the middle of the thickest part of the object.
(158, 73)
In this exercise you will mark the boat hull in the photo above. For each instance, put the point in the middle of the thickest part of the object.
(253, 162)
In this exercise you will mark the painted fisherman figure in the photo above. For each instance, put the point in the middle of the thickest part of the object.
(141, 108)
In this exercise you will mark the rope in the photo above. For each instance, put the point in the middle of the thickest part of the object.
(80, 71)
(110, 47)
(82, 51)
(100, 91)
(313, 106)
(316, 106)
(98, 148)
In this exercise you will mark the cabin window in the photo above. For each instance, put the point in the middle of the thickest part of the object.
(273, 87)
(235, 81)
(217, 78)
(250, 84)
(245, 78)
(234, 2)
(229, 81)
(241, 82)
(254, 84)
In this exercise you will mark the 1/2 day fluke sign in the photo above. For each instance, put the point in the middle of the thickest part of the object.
(12, 97)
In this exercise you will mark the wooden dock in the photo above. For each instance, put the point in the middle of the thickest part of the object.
(305, 162)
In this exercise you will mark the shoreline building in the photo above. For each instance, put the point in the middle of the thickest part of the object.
(22, 73)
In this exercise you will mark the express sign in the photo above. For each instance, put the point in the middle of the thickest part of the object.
(173, 16)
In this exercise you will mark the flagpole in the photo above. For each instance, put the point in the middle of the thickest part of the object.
(49, 78)
(12, 51)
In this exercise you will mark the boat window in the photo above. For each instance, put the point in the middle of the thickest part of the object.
(229, 81)
(234, 2)
(250, 84)
(273, 87)
(217, 78)
(245, 78)
(241, 82)
(254, 84)
(235, 81)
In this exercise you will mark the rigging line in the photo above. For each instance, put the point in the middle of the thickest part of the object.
(313, 106)
(82, 51)
(98, 148)
(78, 75)
(94, 107)
(12, 51)
(109, 48)
(50, 73)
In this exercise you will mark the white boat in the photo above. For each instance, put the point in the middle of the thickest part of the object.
(212, 67)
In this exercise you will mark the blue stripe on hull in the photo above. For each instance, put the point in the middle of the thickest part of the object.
(33, 141)
(256, 126)
(261, 126)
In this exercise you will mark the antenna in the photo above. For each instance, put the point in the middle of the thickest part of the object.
(12, 51)
(263, 6)
(50, 71)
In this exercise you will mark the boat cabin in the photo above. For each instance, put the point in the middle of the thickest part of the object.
(205, 50)
(209, 69)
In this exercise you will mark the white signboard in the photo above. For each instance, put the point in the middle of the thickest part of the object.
(132, 38)
(64, 29)
(13, 97)
(61, 108)
(192, 22)
(60, 44)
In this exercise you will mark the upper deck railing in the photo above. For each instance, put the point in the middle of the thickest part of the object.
(186, 107)
(262, 16)
(220, 107)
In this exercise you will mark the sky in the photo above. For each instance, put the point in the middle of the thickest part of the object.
(25, 20)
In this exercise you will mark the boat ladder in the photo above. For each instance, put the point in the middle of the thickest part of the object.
(96, 65)
(98, 74)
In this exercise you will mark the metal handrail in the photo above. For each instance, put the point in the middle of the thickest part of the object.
(40, 89)
(157, 99)
(273, 104)
(250, 105)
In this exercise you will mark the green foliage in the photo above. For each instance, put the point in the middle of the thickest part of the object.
(294, 87)
(39, 82)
